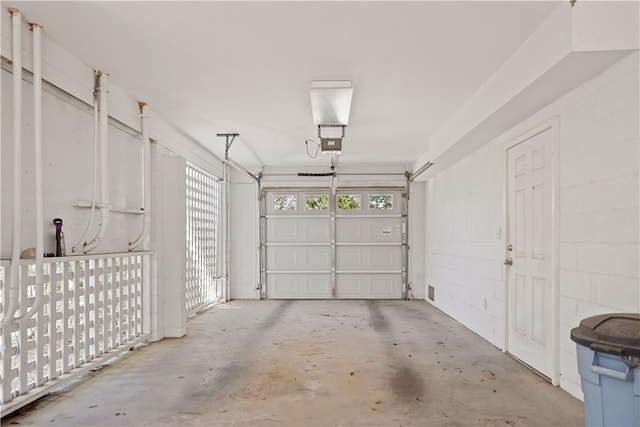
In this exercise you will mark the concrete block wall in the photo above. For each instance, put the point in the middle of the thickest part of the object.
(68, 149)
(168, 237)
(416, 240)
(464, 246)
(243, 246)
(598, 215)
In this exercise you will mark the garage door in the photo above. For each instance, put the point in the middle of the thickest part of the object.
(349, 246)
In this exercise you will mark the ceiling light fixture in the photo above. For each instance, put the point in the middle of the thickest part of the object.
(331, 102)
(330, 107)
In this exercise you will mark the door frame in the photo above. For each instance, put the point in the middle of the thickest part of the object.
(553, 126)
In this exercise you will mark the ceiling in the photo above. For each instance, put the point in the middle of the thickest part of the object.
(246, 67)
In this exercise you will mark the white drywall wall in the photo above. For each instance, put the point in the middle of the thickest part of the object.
(598, 208)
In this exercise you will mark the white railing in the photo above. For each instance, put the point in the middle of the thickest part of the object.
(93, 306)
(203, 202)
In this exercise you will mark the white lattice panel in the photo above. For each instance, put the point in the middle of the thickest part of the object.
(91, 305)
(203, 286)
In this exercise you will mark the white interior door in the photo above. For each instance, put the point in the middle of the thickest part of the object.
(530, 304)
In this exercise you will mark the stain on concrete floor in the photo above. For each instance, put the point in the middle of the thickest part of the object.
(312, 363)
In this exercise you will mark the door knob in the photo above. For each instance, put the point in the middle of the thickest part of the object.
(510, 248)
(508, 261)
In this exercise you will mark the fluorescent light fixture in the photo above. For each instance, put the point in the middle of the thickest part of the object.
(331, 102)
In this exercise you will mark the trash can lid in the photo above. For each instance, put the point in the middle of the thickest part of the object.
(614, 333)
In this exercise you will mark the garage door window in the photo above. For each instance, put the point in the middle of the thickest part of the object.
(381, 201)
(348, 202)
(285, 202)
(317, 202)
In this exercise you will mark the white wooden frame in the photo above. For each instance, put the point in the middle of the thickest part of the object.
(203, 284)
(93, 309)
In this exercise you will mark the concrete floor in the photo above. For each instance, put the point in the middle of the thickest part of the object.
(312, 363)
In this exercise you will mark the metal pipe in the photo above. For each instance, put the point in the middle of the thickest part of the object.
(407, 236)
(104, 167)
(296, 174)
(229, 138)
(372, 173)
(16, 236)
(94, 189)
(243, 169)
(227, 223)
(37, 128)
(146, 187)
(261, 240)
(420, 170)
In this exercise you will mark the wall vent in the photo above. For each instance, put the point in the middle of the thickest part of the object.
(431, 293)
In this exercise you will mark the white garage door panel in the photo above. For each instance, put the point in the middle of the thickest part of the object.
(369, 258)
(299, 258)
(321, 246)
(371, 286)
(298, 230)
(299, 286)
(368, 230)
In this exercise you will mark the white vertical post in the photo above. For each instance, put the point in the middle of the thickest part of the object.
(87, 312)
(115, 301)
(219, 240)
(258, 239)
(226, 221)
(66, 314)
(148, 285)
(40, 341)
(169, 203)
(54, 295)
(122, 284)
(125, 309)
(22, 335)
(101, 301)
(110, 303)
(151, 292)
(263, 242)
(37, 128)
(139, 296)
(16, 235)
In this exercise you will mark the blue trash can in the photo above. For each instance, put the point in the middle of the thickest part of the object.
(609, 365)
